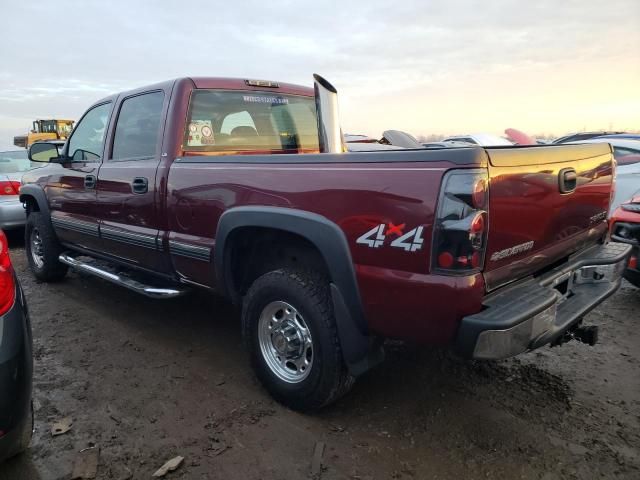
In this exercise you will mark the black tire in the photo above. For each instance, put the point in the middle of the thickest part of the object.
(633, 277)
(328, 378)
(24, 440)
(50, 270)
(27, 432)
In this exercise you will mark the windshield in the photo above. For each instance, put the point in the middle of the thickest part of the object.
(48, 126)
(16, 162)
(224, 122)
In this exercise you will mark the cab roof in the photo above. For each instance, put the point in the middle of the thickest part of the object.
(222, 83)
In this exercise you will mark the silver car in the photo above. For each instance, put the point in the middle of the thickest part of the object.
(13, 165)
(627, 155)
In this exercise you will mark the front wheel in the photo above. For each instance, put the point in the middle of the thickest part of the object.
(290, 331)
(43, 249)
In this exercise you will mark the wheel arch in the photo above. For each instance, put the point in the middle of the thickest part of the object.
(34, 196)
(332, 244)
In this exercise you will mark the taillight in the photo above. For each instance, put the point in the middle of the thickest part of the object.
(9, 188)
(460, 231)
(7, 282)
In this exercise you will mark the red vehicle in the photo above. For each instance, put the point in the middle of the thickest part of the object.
(244, 188)
(625, 228)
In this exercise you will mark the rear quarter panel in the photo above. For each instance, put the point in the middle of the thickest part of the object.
(357, 197)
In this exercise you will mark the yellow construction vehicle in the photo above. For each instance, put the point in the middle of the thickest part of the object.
(44, 130)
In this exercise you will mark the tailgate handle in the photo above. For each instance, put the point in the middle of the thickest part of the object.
(567, 180)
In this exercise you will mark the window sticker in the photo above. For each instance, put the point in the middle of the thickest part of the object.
(265, 99)
(200, 134)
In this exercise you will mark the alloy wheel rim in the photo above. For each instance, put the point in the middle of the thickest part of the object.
(285, 342)
(37, 253)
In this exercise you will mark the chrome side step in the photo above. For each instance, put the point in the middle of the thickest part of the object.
(119, 277)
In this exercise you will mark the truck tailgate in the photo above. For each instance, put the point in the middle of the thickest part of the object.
(545, 203)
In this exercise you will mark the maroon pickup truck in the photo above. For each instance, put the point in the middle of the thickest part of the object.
(244, 188)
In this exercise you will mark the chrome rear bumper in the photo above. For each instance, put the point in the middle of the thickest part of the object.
(538, 311)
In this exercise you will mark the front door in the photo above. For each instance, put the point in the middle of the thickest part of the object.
(71, 189)
(127, 191)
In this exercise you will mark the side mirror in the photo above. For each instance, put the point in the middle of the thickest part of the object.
(43, 152)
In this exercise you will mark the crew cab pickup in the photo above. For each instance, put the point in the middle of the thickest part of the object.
(244, 188)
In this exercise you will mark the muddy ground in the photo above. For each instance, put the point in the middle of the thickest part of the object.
(148, 380)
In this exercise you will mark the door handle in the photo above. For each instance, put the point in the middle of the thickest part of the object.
(140, 185)
(90, 181)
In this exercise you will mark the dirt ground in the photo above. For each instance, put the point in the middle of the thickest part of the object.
(147, 380)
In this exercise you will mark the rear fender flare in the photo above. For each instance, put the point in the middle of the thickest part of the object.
(331, 241)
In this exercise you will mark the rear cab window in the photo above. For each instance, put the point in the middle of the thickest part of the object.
(223, 122)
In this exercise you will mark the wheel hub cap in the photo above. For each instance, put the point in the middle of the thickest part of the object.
(37, 253)
(285, 342)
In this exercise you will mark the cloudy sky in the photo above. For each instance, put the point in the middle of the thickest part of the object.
(443, 67)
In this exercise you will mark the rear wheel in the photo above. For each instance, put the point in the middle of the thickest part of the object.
(290, 330)
(43, 249)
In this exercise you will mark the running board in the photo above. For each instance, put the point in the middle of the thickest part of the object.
(119, 277)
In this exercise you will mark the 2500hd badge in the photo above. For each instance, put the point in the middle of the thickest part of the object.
(511, 251)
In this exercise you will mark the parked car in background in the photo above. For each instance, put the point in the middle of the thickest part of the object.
(364, 143)
(625, 228)
(398, 138)
(579, 136)
(357, 138)
(622, 136)
(483, 139)
(13, 164)
(451, 144)
(390, 138)
(16, 361)
(369, 147)
(627, 155)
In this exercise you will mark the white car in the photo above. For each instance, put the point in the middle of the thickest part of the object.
(627, 155)
(484, 139)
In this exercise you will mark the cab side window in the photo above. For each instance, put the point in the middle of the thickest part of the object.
(138, 127)
(88, 137)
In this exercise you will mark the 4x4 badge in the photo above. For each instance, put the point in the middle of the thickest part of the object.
(411, 241)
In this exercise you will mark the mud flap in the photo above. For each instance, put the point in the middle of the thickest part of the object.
(360, 352)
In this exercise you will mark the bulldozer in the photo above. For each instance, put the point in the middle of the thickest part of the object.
(44, 130)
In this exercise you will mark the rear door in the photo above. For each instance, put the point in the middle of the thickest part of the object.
(127, 192)
(71, 188)
(544, 204)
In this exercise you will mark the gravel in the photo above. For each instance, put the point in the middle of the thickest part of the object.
(148, 380)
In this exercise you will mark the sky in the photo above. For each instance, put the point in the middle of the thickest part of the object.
(426, 67)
